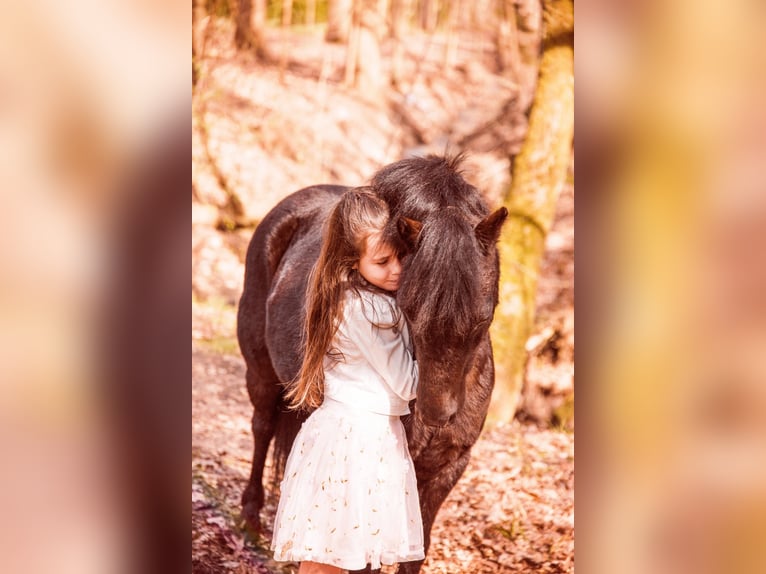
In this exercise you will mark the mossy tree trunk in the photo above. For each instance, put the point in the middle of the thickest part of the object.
(539, 172)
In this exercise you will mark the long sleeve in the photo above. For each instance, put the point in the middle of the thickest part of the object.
(376, 369)
(386, 349)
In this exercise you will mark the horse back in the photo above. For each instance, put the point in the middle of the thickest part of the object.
(280, 253)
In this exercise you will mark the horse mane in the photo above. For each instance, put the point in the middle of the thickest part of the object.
(417, 186)
(441, 282)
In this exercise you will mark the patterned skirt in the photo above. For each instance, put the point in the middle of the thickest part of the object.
(349, 495)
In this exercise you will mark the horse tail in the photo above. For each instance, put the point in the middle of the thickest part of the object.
(288, 424)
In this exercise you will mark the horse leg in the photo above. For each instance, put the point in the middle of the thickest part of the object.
(432, 493)
(264, 390)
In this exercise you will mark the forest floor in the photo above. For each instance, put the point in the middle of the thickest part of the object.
(512, 511)
(260, 132)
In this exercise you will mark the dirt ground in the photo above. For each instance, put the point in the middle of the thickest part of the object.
(512, 511)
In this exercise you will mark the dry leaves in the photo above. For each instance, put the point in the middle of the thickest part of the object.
(512, 511)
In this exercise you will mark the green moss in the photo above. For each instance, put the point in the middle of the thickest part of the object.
(213, 303)
(223, 345)
(512, 531)
(274, 12)
(214, 320)
(219, 8)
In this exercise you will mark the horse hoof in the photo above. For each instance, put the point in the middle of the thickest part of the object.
(251, 522)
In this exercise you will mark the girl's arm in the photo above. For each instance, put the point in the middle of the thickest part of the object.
(386, 351)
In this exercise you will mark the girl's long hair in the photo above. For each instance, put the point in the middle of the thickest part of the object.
(358, 214)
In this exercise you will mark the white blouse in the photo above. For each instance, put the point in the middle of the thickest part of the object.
(377, 371)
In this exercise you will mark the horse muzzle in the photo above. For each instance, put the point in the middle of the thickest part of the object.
(440, 418)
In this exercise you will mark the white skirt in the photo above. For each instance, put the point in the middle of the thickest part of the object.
(349, 495)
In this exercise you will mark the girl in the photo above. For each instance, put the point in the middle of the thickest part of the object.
(349, 496)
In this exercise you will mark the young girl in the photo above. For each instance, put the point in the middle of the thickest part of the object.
(349, 496)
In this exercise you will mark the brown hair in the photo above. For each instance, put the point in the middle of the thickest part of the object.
(358, 214)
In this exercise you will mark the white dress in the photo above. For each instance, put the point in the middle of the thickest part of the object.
(349, 495)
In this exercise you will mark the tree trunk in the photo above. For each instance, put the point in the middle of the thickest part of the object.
(539, 171)
(258, 25)
(401, 12)
(429, 14)
(478, 11)
(287, 13)
(199, 23)
(364, 68)
(400, 18)
(338, 20)
(453, 16)
(287, 19)
(528, 24)
(250, 20)
(352, 50)
(507, 40)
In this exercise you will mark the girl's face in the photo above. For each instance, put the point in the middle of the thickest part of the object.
(379, 264)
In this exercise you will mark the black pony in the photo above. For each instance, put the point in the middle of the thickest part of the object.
(448, 293)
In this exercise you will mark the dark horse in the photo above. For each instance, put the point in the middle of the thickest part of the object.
(448, 293)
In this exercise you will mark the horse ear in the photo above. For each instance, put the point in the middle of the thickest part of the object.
(488, 229)
(409, 230)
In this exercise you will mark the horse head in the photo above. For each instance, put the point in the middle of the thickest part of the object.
(449, 286)
(448, 293)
